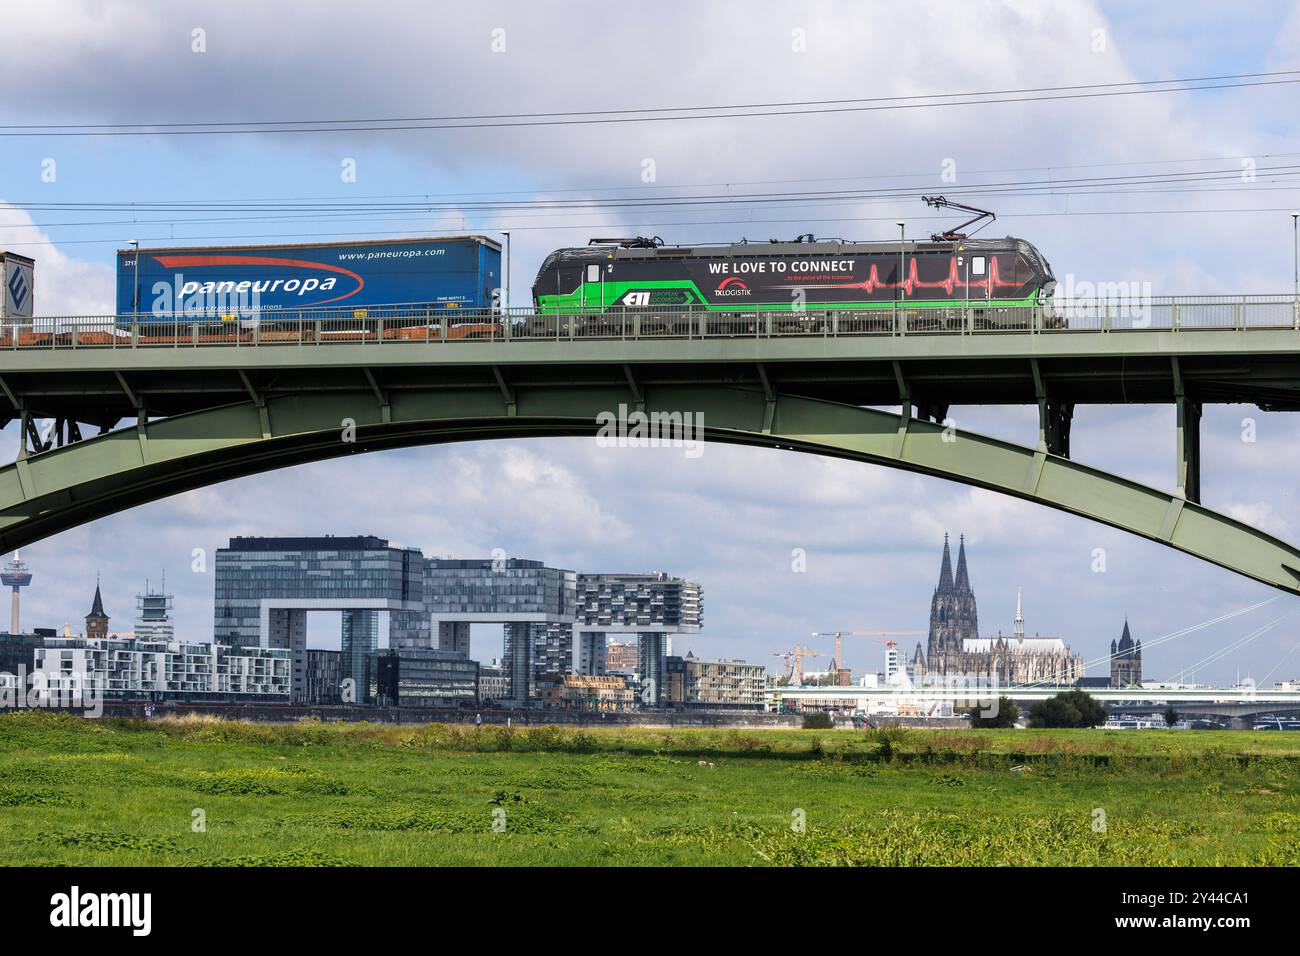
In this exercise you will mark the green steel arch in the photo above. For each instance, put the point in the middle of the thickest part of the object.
(59, 489)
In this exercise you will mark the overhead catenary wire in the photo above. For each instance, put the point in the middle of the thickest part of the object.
(926, 177)
(638, 224)
(661, 114)
(1008, 188)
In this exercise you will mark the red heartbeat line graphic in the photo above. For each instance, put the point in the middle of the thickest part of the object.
(914, 282)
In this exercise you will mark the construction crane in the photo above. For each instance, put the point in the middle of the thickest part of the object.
(841, 672)
(796, 656)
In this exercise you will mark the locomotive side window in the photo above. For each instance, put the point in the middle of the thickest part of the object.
(593, 273)
(977, 265)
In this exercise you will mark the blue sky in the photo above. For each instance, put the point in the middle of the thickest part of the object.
(731, 518)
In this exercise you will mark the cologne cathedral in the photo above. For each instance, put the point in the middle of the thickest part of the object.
(956, 649)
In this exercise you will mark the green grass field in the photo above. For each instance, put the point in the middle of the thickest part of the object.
(109, 792)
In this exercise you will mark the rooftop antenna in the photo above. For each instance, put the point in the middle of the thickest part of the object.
(954, 235)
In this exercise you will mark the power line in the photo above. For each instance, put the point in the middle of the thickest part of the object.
(928, 177)
(1009, 188)
(662, 114)
(342, 214)
(588, 227)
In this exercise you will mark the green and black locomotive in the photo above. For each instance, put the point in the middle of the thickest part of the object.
(992, 279)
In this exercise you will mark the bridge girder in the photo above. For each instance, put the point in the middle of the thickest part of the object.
(68, 486)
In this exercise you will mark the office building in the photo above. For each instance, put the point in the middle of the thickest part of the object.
(716, 684)
(533, 603)
(652, 606)
(424, 677)
(323, 677)
(18, 656)
(265, 588)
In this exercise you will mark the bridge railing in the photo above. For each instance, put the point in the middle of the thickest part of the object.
(401, 323)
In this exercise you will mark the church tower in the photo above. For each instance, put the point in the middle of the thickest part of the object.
(97, 620)
(953, 617)
(1125, 660)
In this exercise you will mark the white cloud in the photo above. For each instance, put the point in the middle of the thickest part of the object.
(64, 285)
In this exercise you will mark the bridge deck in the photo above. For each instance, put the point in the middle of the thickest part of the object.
(70, 374)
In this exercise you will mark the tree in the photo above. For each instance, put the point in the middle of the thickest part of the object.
(1005, 714)
(818, 720)
(1171, 716)
(1069, 709)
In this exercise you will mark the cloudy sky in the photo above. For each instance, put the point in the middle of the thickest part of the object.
(732, 518)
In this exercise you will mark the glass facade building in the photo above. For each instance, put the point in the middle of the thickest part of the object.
(266, 586)
(324, 677)
(504, 587)
(422, 677)
(652, 606)
(358, 643)
(534, 603)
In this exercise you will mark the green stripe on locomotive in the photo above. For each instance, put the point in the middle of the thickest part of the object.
(601, 296)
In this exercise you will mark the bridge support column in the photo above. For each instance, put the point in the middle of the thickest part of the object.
(1189, 439)
(1055, 419)
(936, 412)
(1189, 449)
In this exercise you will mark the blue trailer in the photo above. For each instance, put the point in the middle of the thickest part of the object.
(456, 272)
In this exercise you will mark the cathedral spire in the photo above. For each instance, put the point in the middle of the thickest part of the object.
(1018, 630)
(945, 570)
(963, 580)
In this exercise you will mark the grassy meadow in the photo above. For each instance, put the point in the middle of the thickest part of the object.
(207, 792)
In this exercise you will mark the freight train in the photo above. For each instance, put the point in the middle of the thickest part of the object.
(419, 275)
(939, 282)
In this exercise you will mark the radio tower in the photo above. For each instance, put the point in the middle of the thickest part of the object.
(16, 576)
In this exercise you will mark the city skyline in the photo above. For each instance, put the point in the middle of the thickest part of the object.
(733, 517)
(193, 617)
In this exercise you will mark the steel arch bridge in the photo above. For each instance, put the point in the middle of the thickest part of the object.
(202, 412)
(88, 479)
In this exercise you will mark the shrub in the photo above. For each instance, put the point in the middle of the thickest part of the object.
(1069, 709)
(818, 720)
(1005, 714)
